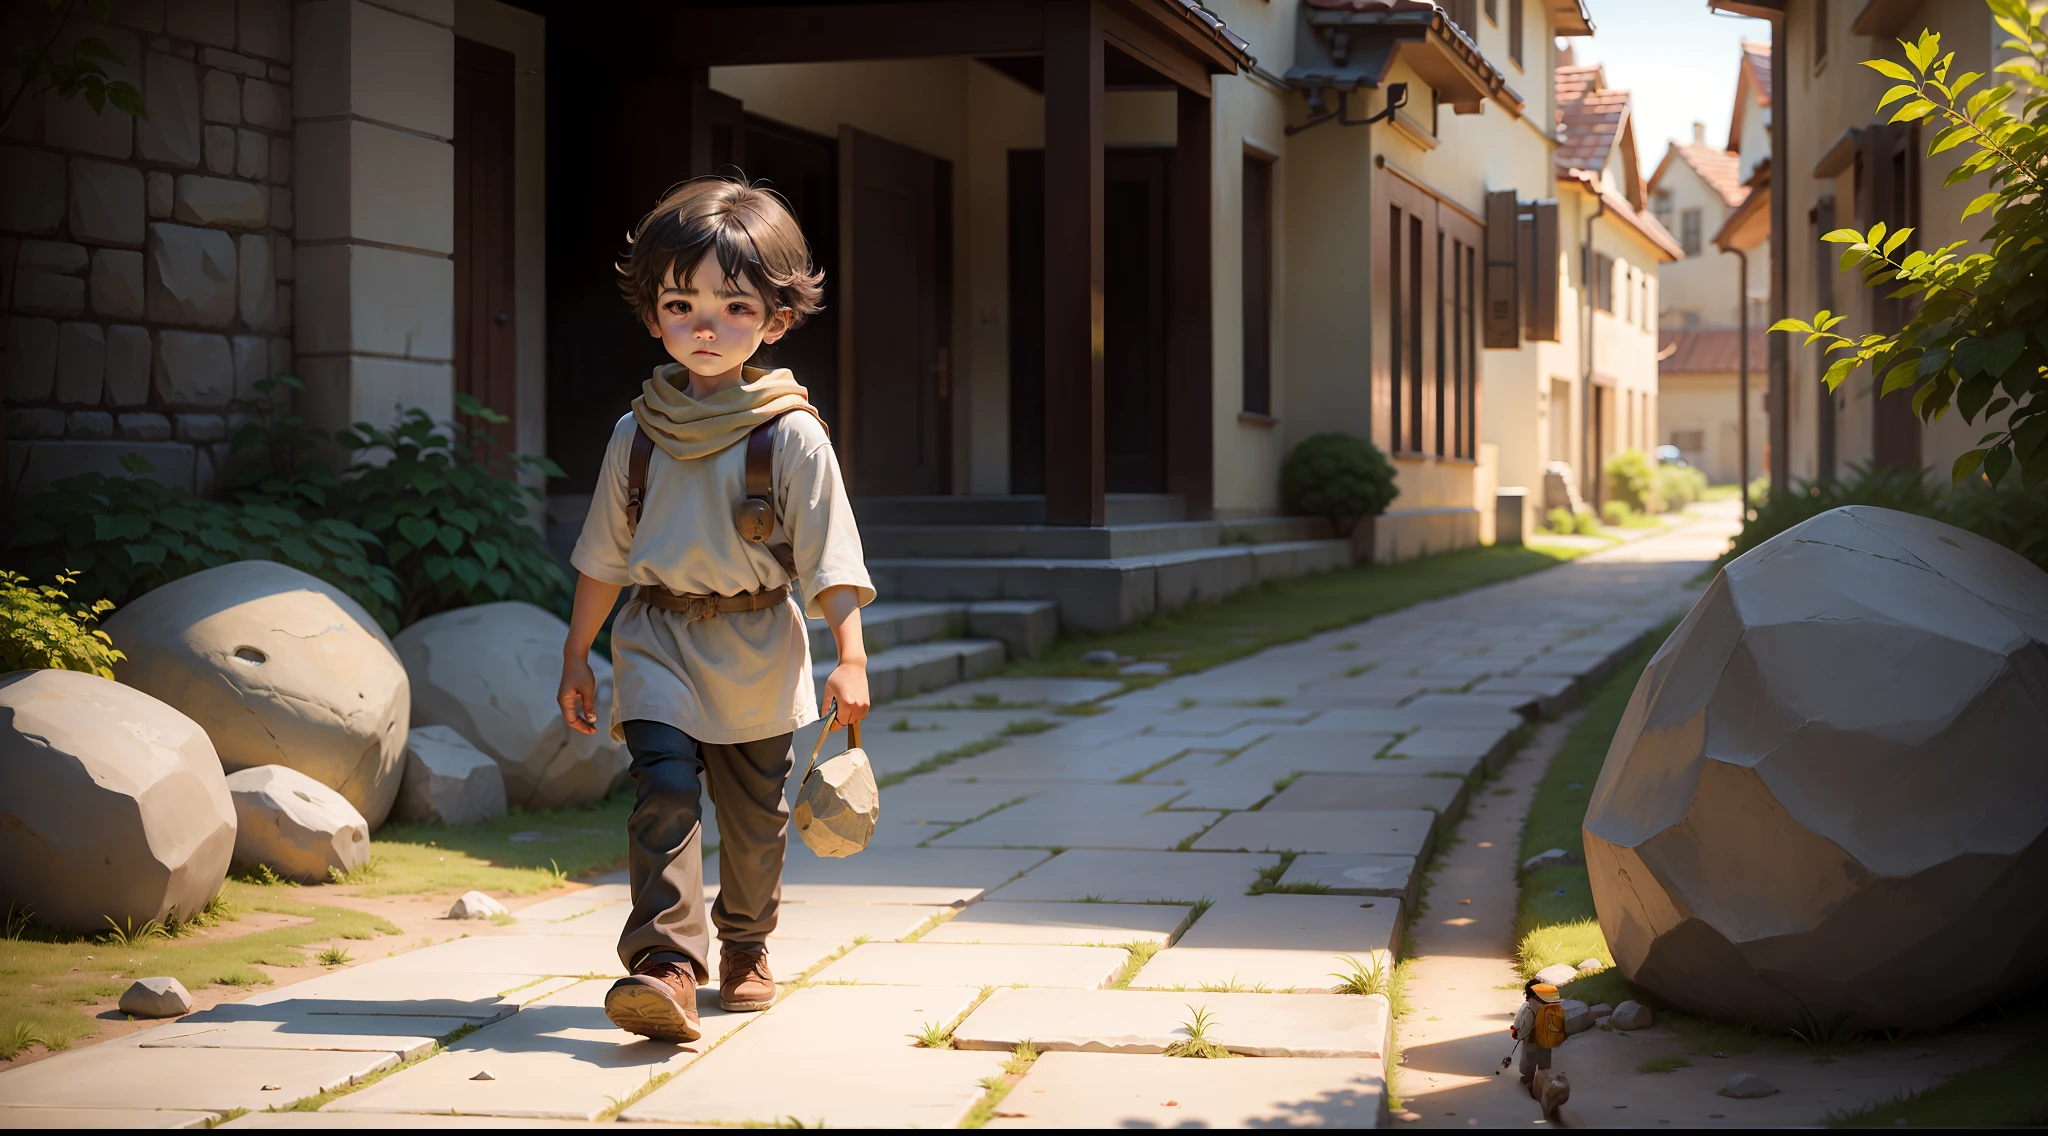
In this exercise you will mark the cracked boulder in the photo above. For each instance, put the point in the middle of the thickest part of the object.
(299, 828)
(490, 673)
(113, 805)
(280, 668)
(448, 780)
(1827, 803)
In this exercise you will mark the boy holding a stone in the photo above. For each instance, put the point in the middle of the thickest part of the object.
(721, 505)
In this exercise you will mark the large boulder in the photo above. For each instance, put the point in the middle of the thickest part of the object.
(490, 673)
(301, 829)
(280, 668)
(112, 804)
(1827, 803)
(448, 780)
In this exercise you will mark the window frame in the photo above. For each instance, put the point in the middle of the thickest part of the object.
(1517, 32)
(1255, 388)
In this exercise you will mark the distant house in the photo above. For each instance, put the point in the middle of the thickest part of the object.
(1716, 199)
(1836, 162)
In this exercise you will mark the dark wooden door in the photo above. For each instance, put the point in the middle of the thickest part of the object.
(1134, 276)
(486, 324)
(895, 316)
(804, 168)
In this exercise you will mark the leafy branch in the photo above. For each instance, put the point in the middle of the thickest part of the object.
(1978, 336)
(77, 77)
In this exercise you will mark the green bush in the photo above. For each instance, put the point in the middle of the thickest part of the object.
(122, 536)
(453, 523)
(38, 631)
(1632, 480)
(1339, 476)
(2010, 514)
(1568, 523)
(1679, 486)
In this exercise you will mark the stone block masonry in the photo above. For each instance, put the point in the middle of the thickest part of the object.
(145, 263)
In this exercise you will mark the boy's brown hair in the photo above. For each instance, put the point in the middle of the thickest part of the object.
(747, 227)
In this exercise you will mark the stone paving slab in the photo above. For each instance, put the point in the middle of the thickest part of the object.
(1021, 692)
(1234, 783)
(936, 801)
(976, 965)
(1403, 832)
(330, 1120)
(1274, 971)
(1481, 747)
(1139, 877)
(1298, 922)
(844, 922)
(511, 954)
(1215, 721)
(1105, 1090)
(104, 1118)
(1052, 758)
(1147, 1021)
(1357, 874)
(558, 1059)
(600, 922)
(218, 1080)
(236, 1025)
(832, 1055)
(902, 875)
(379, 988)
(1103, 816)
(1319, 751)
(1442, 710)
(1358, 792)
(996, 921)
(573, 905)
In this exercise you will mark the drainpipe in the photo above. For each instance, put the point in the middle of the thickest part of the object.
(1742, 380)
(1589, 445)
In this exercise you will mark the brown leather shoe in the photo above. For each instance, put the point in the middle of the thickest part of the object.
(658, 1000)
(743, 979)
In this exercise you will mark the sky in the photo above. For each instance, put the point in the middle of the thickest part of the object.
(1677, 58)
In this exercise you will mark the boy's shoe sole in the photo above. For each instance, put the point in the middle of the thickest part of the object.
(746, 1007)
(648, 1007)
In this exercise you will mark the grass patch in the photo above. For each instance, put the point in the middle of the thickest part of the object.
(1140, 952)
(997, 1087)
(2012, 1093)
(1197, 1043)
(47, 977)
(1027, 727)
(935, 761)
(1362, 978)
(1664, 1064)
(1283, 611)
(558, 845)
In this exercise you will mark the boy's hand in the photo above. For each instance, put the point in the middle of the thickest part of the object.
(849, 686)
(577, 696)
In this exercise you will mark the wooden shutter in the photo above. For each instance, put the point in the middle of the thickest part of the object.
(486, 334)
(1538, 254)
(1503, 301)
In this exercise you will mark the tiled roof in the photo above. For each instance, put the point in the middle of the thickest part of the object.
(1756, 56)
(1709, 352)
(1720, 169)
(1574, 80)
(1374, 5)
(1587, 129)
(1619, 208)
(1216, 27)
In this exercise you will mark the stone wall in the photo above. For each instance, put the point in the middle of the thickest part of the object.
(146, 264)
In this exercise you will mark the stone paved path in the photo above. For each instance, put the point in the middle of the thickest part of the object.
(1086, 889)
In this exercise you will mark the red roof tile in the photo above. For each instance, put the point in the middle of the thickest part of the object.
(1720, 169)
(1618, 206)
(1711, 352)
(1756, 55)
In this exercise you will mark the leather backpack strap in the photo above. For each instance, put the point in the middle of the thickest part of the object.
(636, 476)
(761, 481)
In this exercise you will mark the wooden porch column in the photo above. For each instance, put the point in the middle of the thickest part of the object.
(1190, 364)
(1073, 263)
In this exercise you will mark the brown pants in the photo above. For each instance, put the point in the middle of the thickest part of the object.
(670, 771)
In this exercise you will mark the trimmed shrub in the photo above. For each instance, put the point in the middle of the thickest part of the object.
(39, 630)
(1339, 476)
(1679, 486)
(1632, 480)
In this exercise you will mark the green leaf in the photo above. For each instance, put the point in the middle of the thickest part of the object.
(136, 464)
(1900, 377)
(2005, 351)
(1889, 70)
(462, 519)
(1891, 246)
(1997, 462)
(151, 554)
(416, 530)
(449, 537)
(1839, 371)
(219, 539)
(1980, 203)
(1969, 356)
(1965, 465)
(1913, 111)
(467, 571)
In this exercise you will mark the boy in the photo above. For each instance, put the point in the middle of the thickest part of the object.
(713, 663)
(1539, 1026)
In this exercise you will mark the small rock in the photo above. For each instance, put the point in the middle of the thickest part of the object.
(1152, 668)
(530, 838)
(1631, 1016)
(297, 826)
(273, 1088)
(1592, 966)
(483, 1075)
(1746, 1086)
(1105, 658)
(156, 998)
(476, 905)
(1600, 1011)
(1557, 974)
(1578, 1017)
(1549, 858)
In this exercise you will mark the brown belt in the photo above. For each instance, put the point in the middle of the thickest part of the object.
(704, 606)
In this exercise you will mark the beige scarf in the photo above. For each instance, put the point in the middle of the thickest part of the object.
(687, 428)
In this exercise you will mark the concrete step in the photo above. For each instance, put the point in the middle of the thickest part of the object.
(1103, 595)
(1062, 542)
(1013, 509)
(913, 668)
(1025, 628)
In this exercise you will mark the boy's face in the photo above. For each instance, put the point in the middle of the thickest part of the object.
(712, 325)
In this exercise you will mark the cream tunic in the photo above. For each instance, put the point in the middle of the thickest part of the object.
(739, 676)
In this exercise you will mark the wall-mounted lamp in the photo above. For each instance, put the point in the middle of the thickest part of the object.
(1319, 111)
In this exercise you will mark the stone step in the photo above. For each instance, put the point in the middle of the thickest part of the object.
(1024, 627)
(1103, 595)
(914, 668)
(1062, 542)
(1009, 509)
